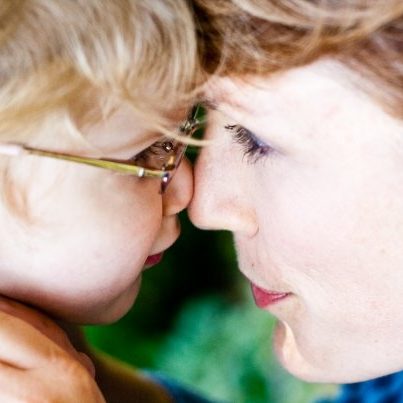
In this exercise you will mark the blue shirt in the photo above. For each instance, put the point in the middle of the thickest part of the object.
(179, 393)
(386, 389)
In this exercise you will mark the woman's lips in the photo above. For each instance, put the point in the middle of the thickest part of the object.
(265, 298)
(153, 260)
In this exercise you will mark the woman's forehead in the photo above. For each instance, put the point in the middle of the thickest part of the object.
(257, 94)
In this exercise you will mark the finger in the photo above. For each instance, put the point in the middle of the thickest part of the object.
(86, 361)
(37, 319)
(10, 383)
(46, 326)
(46, 384)
(23, 346)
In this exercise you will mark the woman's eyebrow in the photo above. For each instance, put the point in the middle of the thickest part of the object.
(214, 104)
(208, 103)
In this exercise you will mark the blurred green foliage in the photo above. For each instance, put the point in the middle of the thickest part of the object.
(195, 321)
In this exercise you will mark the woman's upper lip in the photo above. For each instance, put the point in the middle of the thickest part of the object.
(271, 289)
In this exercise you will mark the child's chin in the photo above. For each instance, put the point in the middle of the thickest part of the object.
(114, 311)
(84, 310)
(111, 315)
(105, 318)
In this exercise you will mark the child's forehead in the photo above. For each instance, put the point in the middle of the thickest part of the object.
(126, 132)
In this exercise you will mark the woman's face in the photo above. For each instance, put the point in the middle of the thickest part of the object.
(307, 172)
(83, 235)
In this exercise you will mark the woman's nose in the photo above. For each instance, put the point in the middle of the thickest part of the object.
(179, 191)
(220, 199)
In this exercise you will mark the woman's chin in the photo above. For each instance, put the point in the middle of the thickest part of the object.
(290, 357)
(315, 365)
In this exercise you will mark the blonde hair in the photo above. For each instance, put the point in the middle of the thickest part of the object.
(85, 55)
(65, 64)
(244, 37)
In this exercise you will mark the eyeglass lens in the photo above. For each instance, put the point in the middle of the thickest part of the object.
(166, 154)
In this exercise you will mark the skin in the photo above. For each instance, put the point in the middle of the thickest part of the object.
(318, 214)
(75, 240)
(38, 362)
(79, 248)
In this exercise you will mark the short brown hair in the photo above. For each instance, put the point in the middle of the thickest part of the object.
(242, 37)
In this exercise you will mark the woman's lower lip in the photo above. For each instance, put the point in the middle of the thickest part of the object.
(265, 298)
(153, 260)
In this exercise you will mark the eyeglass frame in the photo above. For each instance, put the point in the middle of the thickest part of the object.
(187, 128)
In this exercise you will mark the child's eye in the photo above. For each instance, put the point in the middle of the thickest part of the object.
(161, 147)
(156, 154)
(254, 149)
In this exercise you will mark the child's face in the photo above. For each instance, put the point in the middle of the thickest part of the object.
(88, 232)
(313, 192)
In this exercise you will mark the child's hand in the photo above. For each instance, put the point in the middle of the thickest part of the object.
(38, 362)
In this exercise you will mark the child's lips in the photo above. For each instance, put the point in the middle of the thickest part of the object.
(265, 298)
(153, 260)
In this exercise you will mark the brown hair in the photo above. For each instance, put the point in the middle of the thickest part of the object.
(242, 37)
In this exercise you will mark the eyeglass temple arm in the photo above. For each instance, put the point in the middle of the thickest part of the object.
(15, 149)
(125, 167)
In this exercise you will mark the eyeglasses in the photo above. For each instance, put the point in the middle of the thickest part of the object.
(160, 160)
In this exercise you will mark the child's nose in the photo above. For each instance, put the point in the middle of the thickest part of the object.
(179, 191)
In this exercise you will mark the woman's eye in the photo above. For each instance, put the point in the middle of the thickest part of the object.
(253, 148)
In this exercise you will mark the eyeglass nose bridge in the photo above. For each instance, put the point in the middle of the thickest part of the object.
(165, 182)
(171, 166)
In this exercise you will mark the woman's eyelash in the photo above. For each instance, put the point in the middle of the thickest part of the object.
(253, 148)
